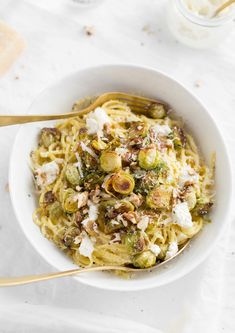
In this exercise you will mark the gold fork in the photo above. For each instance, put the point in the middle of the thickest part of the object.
(137, 104)
(15, 281)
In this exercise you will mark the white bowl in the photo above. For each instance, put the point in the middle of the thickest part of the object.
(60, 98)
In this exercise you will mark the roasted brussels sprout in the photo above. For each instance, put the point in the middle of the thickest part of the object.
(48, 136)
(157, 111)
(148, 158)
(98, 144)
(69, 200)
(72, 174)
(134, 242)
(55, 211)
(110, 161)
(123, 183)
(145, 259)
(49, 198)
(159, 197)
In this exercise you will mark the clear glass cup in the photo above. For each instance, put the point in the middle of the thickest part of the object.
(197, 31)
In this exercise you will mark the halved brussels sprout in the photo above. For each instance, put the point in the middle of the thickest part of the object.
(69, 200)
(137, 129)
(125, 206)
(159, 197)
(145, 259)
(134, 242)
(123, 183)
(157, 111)
(108, 185)
(110, 161)
(55, 211)
(148, 158)
(72, 174)
(98, 144)
(48, 136)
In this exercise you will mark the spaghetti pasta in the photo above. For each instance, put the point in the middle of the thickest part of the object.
(116, 188)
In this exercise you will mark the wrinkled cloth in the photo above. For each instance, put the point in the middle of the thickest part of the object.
(132, 31)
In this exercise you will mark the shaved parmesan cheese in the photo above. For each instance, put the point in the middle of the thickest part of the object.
(143, 223)
(82, 199)
(93, 211)
(162, 130)
(155, 249)
(172, 250)
(47, 174)
(86, 247)
(121, 150)
(181, 215)
(95, 121)
(188, 175)
(88, 150)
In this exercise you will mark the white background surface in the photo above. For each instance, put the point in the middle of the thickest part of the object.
(204, 301)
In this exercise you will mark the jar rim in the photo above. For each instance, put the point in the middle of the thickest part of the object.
(203, 21)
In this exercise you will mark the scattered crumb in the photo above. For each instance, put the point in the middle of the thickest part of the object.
(29, 195)
(146, 28)
(141, 310)
(89, 30)
(7, 187)
(233, 253)
(141, 44)
(16, 77)
(197, 83)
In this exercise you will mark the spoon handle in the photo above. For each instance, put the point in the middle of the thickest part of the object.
(223, 6)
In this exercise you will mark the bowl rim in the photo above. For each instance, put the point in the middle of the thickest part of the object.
(190, 267)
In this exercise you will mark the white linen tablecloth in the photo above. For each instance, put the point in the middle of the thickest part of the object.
(131, 31)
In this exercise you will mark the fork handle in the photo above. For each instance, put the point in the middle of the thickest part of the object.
(15, 281)
(6, 120)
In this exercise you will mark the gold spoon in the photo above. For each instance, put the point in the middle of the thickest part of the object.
(15, 281)
(222, 7)
(137, 104)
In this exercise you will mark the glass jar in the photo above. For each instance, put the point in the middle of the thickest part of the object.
(195, 30)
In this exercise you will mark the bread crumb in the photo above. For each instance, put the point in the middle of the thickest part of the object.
(89, 30)
(16, 77)
(146, 28)
(197, 83)
(7, 187)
